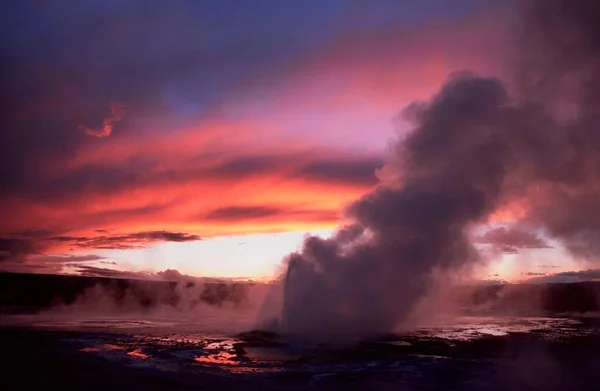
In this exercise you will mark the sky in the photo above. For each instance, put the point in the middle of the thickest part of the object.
(210, 137)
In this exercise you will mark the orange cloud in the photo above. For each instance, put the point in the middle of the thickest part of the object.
(211, 192)
(116, 114)
(280, 162)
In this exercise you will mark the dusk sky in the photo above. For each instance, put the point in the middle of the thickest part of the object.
(210, 136)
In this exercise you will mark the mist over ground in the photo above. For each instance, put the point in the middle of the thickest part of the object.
(196, 305)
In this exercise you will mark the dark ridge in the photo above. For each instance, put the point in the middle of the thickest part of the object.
(23, 292)
(533, 299)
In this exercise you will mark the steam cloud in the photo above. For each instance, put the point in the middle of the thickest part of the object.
(474, 148)
(511, 240)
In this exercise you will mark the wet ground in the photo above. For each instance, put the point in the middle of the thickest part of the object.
(469, 353)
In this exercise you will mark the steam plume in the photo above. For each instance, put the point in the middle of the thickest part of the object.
(472, 149)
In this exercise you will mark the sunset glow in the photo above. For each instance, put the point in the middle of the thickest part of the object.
(138, 157)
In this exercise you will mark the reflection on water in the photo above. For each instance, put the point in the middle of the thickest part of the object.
(222, 358)
(107, 347)
(260, 351)
(221, 345)
(470, 328)
(138, 354)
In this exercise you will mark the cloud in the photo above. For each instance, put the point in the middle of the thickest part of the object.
(175, 91)
(37, 253)
(173, 275)
(73, 259)
(145, 193)
(566, 277)
(126, 241)
(247, 166)
(94, 271)
(164, 275)
(258, 212)
(512, 240)
(17, 247)
(38, 262)
(359, 172)
(116, 114)
(202, 130)
(243, 213)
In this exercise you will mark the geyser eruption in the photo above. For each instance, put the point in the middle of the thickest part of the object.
(450, 171)
(473, 149)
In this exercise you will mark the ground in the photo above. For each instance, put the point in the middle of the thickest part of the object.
(474, 354)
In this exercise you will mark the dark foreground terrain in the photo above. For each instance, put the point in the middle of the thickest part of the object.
(38, 291)
(554, 358)
(518, 337)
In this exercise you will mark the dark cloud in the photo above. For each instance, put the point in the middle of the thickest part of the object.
(99, 179)
(73, 259)
(494, 281)
(29, 253)
(32, 266)
(32, 233)
(35, 262)
(93, 271)
(353, 172)
(65, 66)
(164, 275)
(243, 213)
(247, 166)
(256, 212)
(565, 277)
(530, 274)
(133, 240)
(18, 247)
(60, 77)
(512, 240)
(173, 275)
(359, 171)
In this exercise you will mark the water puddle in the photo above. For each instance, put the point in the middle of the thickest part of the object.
(222, 358)
(137, 353)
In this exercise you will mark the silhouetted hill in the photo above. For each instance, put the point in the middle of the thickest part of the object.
(36, 291)
(544, 298)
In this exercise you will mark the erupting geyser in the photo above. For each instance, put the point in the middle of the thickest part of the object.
(472, 149)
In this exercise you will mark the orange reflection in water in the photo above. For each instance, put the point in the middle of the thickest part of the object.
(223, 358)
(138, 354)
